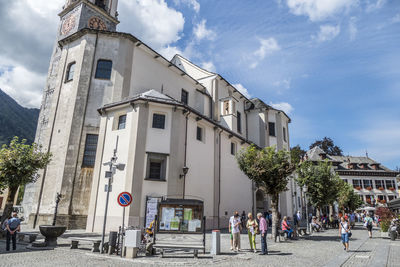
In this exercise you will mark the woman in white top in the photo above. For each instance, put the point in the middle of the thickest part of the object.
(344, 230)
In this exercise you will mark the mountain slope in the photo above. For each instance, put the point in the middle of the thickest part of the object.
(16, 120)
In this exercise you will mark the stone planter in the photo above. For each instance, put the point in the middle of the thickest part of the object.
(385, 234)
(51, 233)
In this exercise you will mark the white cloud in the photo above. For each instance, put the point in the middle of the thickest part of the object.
(373, 5)
(396, 18)
(23, 85)
(283, 84)
(208, 65)
(170, 51)
(152, 21)
(267, 46)
(192, 3)
(352, 28)
(242, 89)
(201, 32)
(286, 107)
(318, 10)
(327, 33)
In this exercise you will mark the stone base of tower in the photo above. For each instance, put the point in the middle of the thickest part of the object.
(70, 221)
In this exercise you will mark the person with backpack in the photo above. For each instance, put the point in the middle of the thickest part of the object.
(368, 223)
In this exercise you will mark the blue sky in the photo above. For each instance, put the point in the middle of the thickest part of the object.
(334, 65)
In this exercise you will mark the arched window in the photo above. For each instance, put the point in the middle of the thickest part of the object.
(70, 72)
(103, 70)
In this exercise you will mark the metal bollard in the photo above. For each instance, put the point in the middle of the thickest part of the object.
(216, 242)
(112, 242)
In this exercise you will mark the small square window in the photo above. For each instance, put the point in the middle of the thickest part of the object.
(199, 133)
(121, 122)
(104, 68)
(158, 121)
(184, 97)
(271, 126)
(233, 148)
(156, 166)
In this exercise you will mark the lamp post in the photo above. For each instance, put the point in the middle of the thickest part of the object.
(185, 170)
(305, 200)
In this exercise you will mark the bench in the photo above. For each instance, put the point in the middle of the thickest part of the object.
(95, 242)
(302, 230)
(193, 242)
(31, 236)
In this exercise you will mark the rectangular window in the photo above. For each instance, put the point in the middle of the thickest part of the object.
(121, 122)
(345, 180)
(70, 72)
(357, 183)
(367, 184)
(379, 184)
(156, 166)
(233, 148)
(103, 70)
(271, 126)
(184, 97)
(158, 121)
(389, 184)
(239, 121)
(225, 108)
(89, 155)
(284, 134)
(199, 133)
(390, 198)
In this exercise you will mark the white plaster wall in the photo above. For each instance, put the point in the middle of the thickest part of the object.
(158, 140)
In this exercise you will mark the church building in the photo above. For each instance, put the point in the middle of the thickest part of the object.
(175, 126)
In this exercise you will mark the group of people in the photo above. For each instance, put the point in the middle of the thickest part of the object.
(254, 227)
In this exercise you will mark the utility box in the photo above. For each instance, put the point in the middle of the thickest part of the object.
(216, 242)
(133, 238)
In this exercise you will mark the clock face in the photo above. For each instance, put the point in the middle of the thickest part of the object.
(97, 24)
(68, 24)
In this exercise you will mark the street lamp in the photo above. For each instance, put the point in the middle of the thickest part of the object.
(185, 170)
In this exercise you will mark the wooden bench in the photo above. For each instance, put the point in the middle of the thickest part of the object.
(95, 242)
(193, 242)
(31, 236)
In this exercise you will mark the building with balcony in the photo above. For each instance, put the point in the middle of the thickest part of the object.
(373, 182)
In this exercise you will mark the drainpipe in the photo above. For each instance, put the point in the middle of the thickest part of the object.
(219, 176)
(184, 161)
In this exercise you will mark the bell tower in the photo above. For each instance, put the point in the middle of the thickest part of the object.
(94, 14)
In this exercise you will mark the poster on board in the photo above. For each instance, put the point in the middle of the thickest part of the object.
(151, 209)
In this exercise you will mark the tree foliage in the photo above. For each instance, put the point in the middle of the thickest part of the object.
(321, 181)
(296, 154)
(269, 170)
(348, 200)
(19, 164)
(328, 146)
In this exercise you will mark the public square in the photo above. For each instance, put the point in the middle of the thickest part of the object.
(319, 249)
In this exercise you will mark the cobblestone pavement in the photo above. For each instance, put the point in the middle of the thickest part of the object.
(319, 249)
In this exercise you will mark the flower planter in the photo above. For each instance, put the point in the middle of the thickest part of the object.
(392, 189)
(51, 233)
(358, 187)
(381, 188)
(369, 188)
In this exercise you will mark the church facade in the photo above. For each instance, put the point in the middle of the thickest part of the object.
(175, 126)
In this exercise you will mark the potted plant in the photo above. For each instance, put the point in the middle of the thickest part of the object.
(369, 188)
(358, 187)
(392, 189)
(381, 188)
(386, 215)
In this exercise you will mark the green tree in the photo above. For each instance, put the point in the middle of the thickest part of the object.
(19, 165)
(270, 171)
(327, 145)
(296, 154)
(321, 181)
(348, 200)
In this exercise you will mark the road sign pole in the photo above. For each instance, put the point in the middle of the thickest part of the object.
(123, 231)
(105, 213)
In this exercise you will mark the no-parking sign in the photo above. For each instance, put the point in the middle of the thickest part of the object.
(124, 199)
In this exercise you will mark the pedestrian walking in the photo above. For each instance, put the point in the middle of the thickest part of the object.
(263, 232)
(368, 223)
(234, 228)
(13, 226)
(344, 232)
(252, 228)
